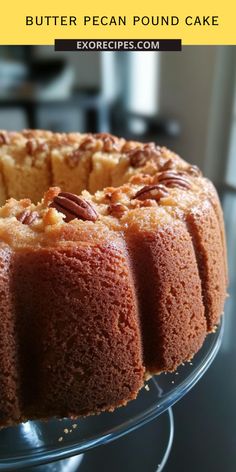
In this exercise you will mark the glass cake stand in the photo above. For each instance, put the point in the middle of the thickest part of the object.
(36, 442)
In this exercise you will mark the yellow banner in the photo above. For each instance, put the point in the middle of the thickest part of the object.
(200, 22)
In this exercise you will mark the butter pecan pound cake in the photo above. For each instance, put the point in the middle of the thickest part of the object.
(117, 273)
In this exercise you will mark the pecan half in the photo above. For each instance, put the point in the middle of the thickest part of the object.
(152, 192)
(73, 207)
(137, 158)
(173, 179)
(26, 217)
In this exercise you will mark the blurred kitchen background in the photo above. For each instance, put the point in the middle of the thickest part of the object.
(182, 99)
(186, 100)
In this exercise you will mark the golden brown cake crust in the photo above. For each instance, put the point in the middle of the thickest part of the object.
(92, 359)
(170, 295)
(206, 235)
(129, 255)
(10, 395)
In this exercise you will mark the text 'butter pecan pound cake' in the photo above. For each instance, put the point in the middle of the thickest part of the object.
(116, 274)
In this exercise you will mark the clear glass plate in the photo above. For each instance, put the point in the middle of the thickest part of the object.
(38, 442)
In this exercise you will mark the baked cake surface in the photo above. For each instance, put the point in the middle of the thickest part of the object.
(117, 273)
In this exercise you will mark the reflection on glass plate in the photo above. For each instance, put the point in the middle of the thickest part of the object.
(37, 442)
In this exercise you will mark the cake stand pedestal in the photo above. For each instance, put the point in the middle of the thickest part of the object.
(37, 443)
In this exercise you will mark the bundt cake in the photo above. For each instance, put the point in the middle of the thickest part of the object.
(117, 273)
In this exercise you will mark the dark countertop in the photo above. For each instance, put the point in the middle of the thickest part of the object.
(205, 419)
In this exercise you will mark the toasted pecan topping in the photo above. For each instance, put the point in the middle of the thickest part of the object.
(194, 170)
(110, 144)
(128, 146)
(28, 133)
(141, 178)
(139, 156)
(87, 144)
(73, 207)
(152, 192)
(104, 136)
(170, 164)
(4, 138)
(150, 202)
(100, 142)
(173, 179)
(37, 133)
(51, 217)
(73, 157)
(26, 217)
(33, 146)
(118, 195)
(117, 209)
(50, 194)
(108, 195)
